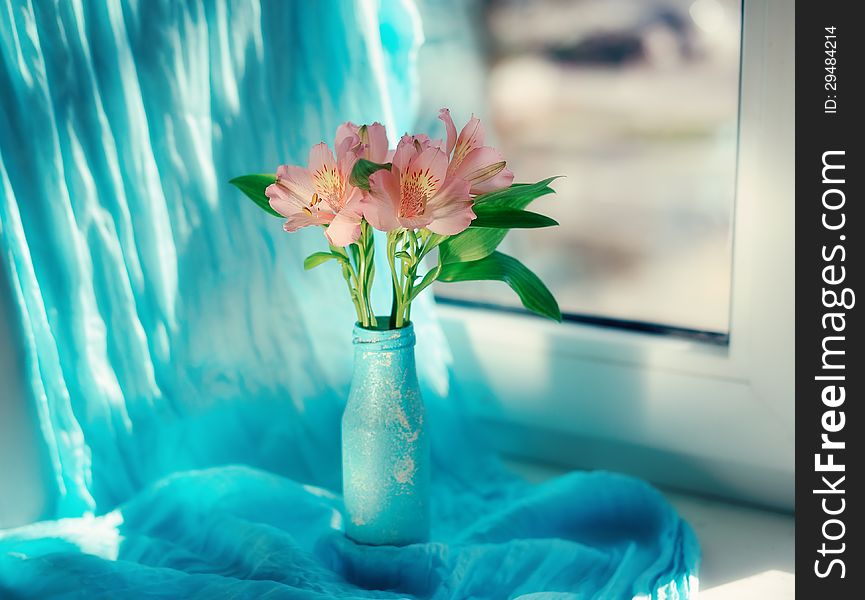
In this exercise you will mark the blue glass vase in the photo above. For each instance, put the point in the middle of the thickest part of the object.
(385, 450)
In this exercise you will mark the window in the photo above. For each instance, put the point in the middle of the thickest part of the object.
(708, 417)
(635, 102)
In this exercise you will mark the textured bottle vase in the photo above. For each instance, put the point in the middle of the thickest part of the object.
(385, 451)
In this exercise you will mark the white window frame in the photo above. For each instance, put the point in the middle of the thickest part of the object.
(704, 417)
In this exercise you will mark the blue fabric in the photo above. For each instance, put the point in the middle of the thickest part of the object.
(188, 375)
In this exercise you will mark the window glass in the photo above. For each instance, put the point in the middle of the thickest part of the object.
(635, 103)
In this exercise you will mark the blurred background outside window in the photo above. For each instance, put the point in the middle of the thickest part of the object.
(635, 102)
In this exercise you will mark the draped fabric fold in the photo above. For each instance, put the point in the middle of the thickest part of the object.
(171, 334)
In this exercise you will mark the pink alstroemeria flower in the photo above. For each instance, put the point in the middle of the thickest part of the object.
(482, 166)
(417, 192)
(368, 141)
(321, 193)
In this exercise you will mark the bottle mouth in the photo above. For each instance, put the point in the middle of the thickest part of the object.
(383, 339)
(383, 324)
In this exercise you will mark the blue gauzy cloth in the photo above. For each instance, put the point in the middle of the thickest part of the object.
(241, 532)
(171, 335)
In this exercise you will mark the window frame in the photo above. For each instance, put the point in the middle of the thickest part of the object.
(700, 416)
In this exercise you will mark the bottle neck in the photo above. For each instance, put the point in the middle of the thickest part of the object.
(390, 340)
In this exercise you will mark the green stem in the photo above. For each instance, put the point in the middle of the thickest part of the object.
(361, 267)
(370, 270)
(395, 297)
(415, 245)
(396, 280)
(347, 275)
(355, 289)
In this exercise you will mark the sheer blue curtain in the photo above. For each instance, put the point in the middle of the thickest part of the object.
(169, 329)
(168, 323)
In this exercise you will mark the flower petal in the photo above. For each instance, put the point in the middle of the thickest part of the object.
(418, 222)
(347, 146)
(291, 191)
(297, 180)
(410, 146)
(430, 167)
(305, 218)
(484, 168)
(425, 142)
(471, 137)
(451, 209)
(320, 157)
(345, 227)
(286, 206)
(502, 180)
(405, 151)
(345, 131)
(376, 143)
(445, 117)
(380, 204)
(346, 159)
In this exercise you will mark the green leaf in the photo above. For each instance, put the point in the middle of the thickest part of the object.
(362, 170)
(253, 186)
(476, 242)
(503, 217)
(319, 258)
(434, 240)
(519, 195)
(427, 280)
(500, 267)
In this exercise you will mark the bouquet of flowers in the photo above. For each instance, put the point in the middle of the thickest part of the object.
(455, 196)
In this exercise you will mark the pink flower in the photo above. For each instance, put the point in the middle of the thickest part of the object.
(321, 194)
(417, 191)
(482, 166)
(368, 141)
